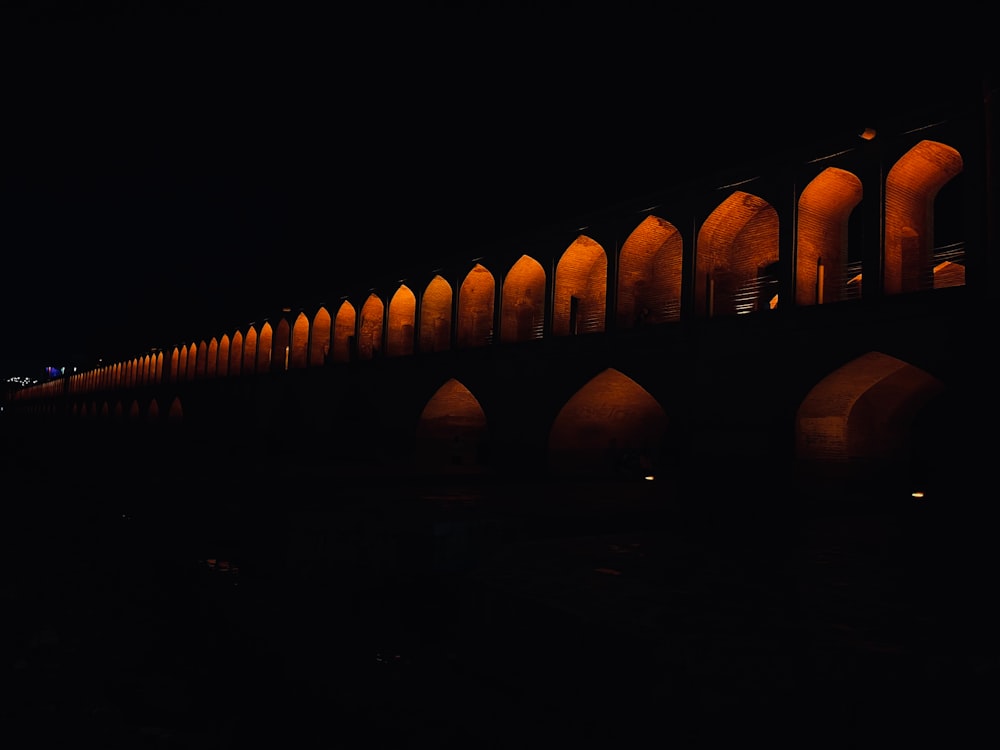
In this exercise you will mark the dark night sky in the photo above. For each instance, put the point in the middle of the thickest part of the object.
(165, 163)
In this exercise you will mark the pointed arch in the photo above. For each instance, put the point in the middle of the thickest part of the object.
(475, 308)
(250, 351)
(649, 274)
(344, 332)
(153, 411)
(737, 249)
(281, 345)
(401, 322)
(223, 357)
(452, 433)
(182, 363)
(610, 427)
(370, 330)
(861, 412)
(158, 369)
(236, 354)
(435, 316)
(319, 342)
(298, 356)
(176, 413)
(825, 207)
(212, 360)
(911, 188)
(175, 364)
(192, 363)
(581, 288)
(522, 306)
(265, 339)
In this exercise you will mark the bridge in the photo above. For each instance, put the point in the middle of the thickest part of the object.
(811, 317)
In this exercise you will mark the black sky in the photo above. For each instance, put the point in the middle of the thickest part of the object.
(163, 165)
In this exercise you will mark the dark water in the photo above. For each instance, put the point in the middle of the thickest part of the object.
(194, 611)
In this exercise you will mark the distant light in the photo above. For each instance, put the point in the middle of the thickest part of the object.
(868, 134)
(917, 494)
(649, 477)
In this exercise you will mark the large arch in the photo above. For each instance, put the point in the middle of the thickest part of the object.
(400, 326)
(911, 188)
(858, 419)
(821, 267)
(737, 247)
(452, 434)
(522, 306)
(581, 289)
(370, 328)
(344, 332)
(475, 308)
(611, 427)
(223, 367)
(211, 366)
(649, 274)
(435, 316)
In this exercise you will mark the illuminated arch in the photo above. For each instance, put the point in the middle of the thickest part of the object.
(319, 346)
(649, 274)
(264, 341)
(862, 412)
(175, 365)
(153, 411)
(176, 413)
(236, 354)
(475, 308)
(298, 354)
(610, 427)
(451, 433)
(522, 307)
(737, 247)
(223, 367)
(911, 187)
(212, 360)
(581, 287)
(825, 207)
(192, 362)
(158, 369)
(182, 363)
(250, 351)
(133, 410)
(370, 330)
(281, 346)
(435, 316)
(401, 322)
(344, 328)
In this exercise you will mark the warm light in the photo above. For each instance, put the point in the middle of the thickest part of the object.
(868, 134)
(917, 494)
(649, 478)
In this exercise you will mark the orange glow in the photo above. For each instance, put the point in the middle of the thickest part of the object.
(451, 430)
(343, 332)
(223, 357)
(319, 345)
(475, 308)
(370, 334)
(611, 424)
(862, 410)
(191, 369)
(298, 356)
(522, 312)
(264, 340)
(402, 319)
(211, 364)
(649, 275)
(910, 189)
(236, 354)
(736, 245)
(581, 275)
(825, 208)
(435, 316)
(250, 351)
(176, 413)
(280, 343)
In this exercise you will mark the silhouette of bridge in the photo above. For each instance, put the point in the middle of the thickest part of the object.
(814, 314)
